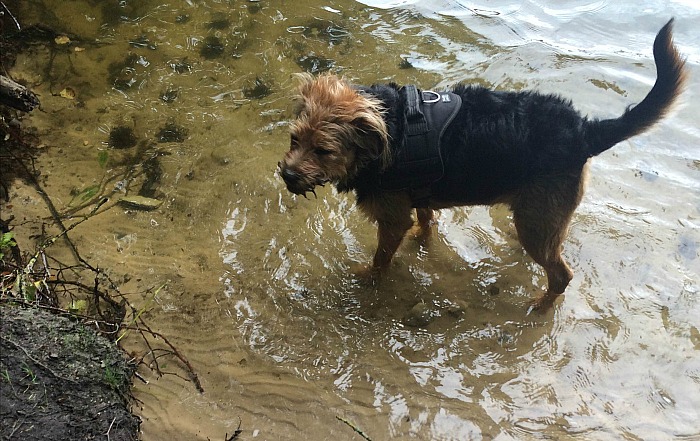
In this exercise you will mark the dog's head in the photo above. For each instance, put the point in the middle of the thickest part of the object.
(337, 131)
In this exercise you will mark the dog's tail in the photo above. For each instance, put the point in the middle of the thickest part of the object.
(670, 79)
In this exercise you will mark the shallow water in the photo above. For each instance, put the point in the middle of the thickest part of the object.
(258, 291)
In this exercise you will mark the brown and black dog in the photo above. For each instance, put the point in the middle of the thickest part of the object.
(524, 149)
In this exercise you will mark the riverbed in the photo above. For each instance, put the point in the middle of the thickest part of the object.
(255, 285)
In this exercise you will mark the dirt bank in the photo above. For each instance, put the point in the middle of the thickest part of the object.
(60, 380)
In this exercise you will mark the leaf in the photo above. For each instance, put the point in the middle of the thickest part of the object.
(67, 93)
(62, 39)
(140, 202)
(24, 288)
(84, 195)
(78, 306)
(7, 240)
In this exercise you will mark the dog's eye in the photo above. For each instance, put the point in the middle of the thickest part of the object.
(294, 142)
(323, 152)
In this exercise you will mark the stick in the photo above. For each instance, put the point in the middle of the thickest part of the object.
(15, 95)
(19, 28)
(362, 434)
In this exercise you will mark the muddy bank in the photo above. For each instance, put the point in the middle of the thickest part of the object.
(60, 380)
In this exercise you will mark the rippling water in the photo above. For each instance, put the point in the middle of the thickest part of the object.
(259, 292)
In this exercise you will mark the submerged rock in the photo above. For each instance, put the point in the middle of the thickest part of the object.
(123, 74)
(219, 21)
(143, 42)
(314, 64)
(259, 89)
(212, 47)
(325, 30)
(169, 95)
(122, 137)
(419, 316)
(172, 132)
(180, 66)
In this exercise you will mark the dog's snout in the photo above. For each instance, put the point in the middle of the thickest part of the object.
(294, 180)
(289, 175)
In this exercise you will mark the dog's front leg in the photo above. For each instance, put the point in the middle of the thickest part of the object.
(389, 237)
(392, 212)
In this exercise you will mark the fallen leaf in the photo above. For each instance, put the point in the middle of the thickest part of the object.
(78, 306)
(62, 39)
(68, 93)
(84, 195)
(140, 202)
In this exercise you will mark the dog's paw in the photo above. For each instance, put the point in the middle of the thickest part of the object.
(419, 233)
(543, 303)
(366, 274)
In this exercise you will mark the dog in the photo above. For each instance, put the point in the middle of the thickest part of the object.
(524, 149)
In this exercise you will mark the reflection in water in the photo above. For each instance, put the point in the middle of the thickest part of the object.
(259, 287)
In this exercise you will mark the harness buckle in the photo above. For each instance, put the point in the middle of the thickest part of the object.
(435, 97)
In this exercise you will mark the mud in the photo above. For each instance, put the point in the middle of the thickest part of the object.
(60, 380)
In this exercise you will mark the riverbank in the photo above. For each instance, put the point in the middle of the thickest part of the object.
(60, 380)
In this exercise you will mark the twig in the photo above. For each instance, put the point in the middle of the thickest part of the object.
(175, 374)
(190, 370)
(235, 433)
(150, 351)
(19, 28)
(101, 295)
(17, 96)
(140, 377)
(52, 209)
(26, 276)
(16, 426)
(362, 434)
(57, 217)
(110, 427)
(37, 362)
(137, 314)
(100, 198)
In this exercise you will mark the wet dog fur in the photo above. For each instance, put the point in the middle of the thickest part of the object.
(523, 149)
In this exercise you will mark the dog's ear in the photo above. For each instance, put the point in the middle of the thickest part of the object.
(303, 80)
(372, 136)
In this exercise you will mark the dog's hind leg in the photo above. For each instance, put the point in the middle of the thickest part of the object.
(542, 213)
(421, 228)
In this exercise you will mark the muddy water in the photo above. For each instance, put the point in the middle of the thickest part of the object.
(256, 284)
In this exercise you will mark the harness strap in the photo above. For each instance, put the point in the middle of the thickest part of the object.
(417, 125)
(417, 163)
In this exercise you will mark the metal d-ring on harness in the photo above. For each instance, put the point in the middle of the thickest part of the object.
(417, 163)
(430, 100)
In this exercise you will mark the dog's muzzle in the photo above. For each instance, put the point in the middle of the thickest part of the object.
(293, 180)
(296, 182)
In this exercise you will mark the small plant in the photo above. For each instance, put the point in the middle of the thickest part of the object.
(29, 373)
(6, 376)
(112, 377)
(6, 242)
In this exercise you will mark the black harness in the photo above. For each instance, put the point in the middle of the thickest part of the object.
(417, 162)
